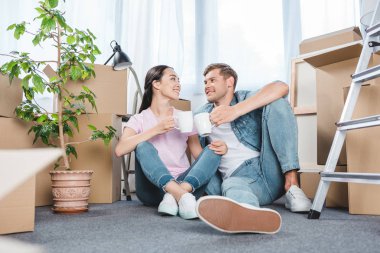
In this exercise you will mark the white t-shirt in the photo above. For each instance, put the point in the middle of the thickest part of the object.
(237, 153)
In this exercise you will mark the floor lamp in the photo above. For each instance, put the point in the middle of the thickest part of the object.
(121, 61)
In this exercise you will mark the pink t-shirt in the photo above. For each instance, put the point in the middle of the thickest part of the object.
(171, 146)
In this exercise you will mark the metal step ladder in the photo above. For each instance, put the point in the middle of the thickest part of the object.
(370, 45)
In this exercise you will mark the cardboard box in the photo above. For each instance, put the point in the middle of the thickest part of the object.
(17, 209)
(333, 71)
(363, 152)
(10, 96)
(14, 135)
(181, 104)
(330, 40)
(337, 195)
(94, 155)
(109, 86)
(17, 191)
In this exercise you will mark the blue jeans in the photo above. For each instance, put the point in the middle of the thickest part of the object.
(260, 181)
(152, 175)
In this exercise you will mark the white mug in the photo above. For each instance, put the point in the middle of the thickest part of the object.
(203, 124)
(184, 121)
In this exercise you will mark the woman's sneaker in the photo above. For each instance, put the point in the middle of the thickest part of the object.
(186, 205)
(227, 215)
(168, 205)
(296, 200)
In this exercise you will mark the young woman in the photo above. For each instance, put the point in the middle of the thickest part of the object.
(167, 180)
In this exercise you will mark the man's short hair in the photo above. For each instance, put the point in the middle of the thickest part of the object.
(225, 70)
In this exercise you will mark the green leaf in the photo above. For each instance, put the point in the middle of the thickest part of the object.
(53, 3)
(20, 30)
(54, 117)
(42, 118)
(11, 27)
(75, 73)
(40, 10)
(92, 127)
(70, 39)
(38, 84)
(47, 24)
(71, 150)
(25, 81)
(37, 39)
(74, 120)
(86, 89)
(61, 21)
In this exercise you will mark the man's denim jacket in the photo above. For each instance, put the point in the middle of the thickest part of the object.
(247, 128)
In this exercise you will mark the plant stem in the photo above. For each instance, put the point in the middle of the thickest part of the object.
(78, 142)
(60, 106)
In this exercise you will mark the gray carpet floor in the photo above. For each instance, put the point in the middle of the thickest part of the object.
(128, 226)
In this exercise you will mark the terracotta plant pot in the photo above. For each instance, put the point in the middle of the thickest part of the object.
(71, 190)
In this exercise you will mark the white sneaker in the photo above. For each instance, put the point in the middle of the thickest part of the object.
(186, 206)
(168, 205)
(227, 215)
(296, 200)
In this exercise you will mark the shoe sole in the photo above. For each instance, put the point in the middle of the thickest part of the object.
(229, 216)
(298, 209)
(167, 211)
(188, 216)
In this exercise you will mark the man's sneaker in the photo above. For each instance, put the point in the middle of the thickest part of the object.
(168, 205)
(296, 200)
(186, 205)
(229, 216)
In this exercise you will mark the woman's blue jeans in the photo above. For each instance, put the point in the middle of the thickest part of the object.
(260, 181)
(152, 175)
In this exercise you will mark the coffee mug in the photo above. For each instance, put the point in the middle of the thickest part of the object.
(184, 121)
(203, 124)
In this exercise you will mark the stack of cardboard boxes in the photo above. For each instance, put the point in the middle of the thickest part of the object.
(17, 208)
(320, 73)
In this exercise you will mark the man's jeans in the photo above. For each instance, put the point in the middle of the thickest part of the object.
(260, 181)
(152, 175)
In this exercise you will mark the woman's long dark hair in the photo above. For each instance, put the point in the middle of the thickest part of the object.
(154, 74)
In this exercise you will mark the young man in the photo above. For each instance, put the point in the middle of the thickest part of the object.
(261, 163)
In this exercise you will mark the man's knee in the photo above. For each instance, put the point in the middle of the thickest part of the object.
(279, 106)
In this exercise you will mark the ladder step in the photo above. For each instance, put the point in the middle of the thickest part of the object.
(359, 123)
(366, 178)
(367, 74)
(373, 30)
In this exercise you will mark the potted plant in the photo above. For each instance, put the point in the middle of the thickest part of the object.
(75, 58)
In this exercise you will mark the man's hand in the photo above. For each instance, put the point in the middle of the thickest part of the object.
(219, 147)
(223, 114)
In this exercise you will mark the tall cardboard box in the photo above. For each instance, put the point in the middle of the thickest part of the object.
(328, 40)
(94, 155)
(10, 96)
(14, 135)
(109, 86)
(337, 195)
(334, 68)
(17, 209)
(363, 152)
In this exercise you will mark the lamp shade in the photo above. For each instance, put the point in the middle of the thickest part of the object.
(121, 61)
